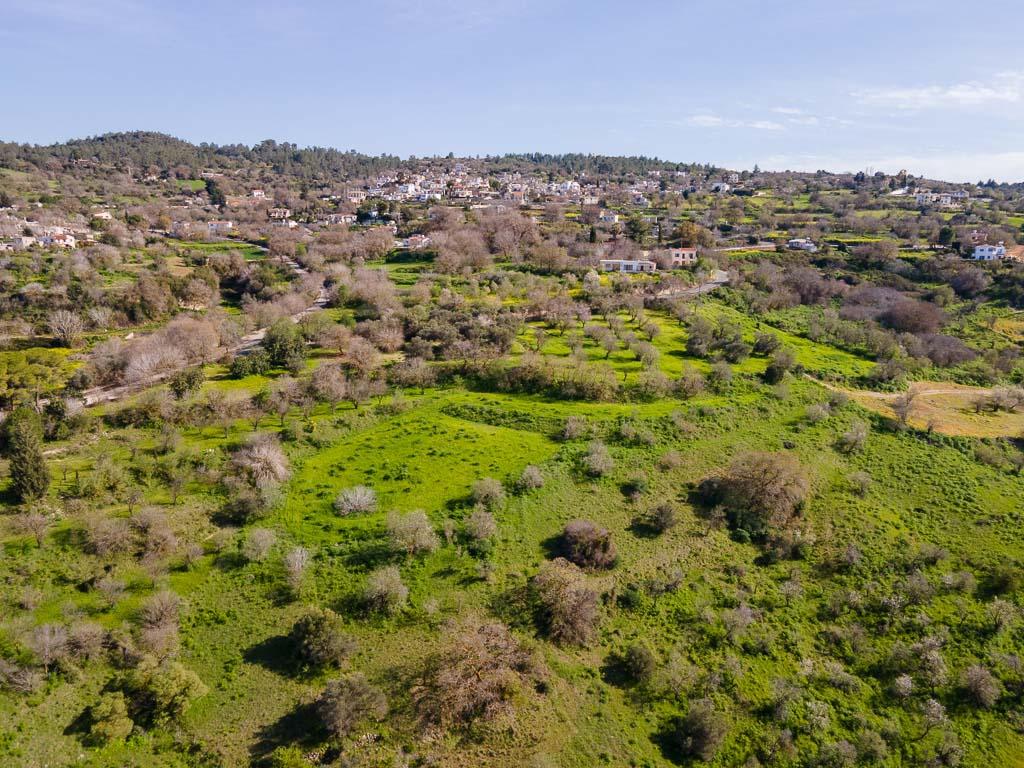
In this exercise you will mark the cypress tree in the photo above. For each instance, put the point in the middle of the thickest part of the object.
(23, 432)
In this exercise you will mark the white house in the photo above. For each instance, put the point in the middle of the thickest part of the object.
(986, 252)
(220, 227)
(607, 217)
(802, 244)
(720, 187)
(683, 256)
(102, 215)
(628, 265)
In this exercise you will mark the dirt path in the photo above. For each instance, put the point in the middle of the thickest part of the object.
(244, 345)
(942, 407)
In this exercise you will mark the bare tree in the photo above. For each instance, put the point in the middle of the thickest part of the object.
(66, 327)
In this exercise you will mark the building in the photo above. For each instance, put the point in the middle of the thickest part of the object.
(220, 227)
(279, 213)
(628, 265)
(802, 244)
(986, 252)
(102, 215)
(682, 257)
(720, 187)
(259, 194)
(608, 217)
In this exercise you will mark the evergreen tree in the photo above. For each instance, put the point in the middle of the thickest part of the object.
(23, 433)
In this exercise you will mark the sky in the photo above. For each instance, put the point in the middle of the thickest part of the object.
(936, 88)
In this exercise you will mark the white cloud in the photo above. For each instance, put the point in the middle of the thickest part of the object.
(715, 121)
(1004, 87)
(787, 111)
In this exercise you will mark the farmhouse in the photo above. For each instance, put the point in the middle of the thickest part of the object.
(220, 227)
(279, 213)
(682, 256)
(802, 244)
(628, 265)
(986, 252)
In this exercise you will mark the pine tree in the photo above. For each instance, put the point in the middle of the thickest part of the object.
(23, 432)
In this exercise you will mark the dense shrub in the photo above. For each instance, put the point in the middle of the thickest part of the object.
(477, 676)
(588, 545)
(701, 731)
(319, 639)
(356, 500)
(348, 702)
(568, 607)
(385, 591)
(761, 491)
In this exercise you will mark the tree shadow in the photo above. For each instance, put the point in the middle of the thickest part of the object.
(642, 527)
(368, 555)
(301, 727)
(553, 546)
(276, 654)
(668, 744)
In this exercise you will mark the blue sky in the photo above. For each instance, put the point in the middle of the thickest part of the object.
(935, 87)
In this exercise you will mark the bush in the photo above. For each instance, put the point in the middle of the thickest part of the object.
(664, 517)
(109, 720)
(476, 677)
(568, 607)
(639, 663)
(598, 462)
(575, 428)
(701, 732)
(762, 491)
(855, 437)
(489, 492)
(412, 533)
(588, 545)
(481, 524)
(258, 544)
(531, 479)
(319, 639)
(980, 686)
(348, 702)
(356, 500)
(159, 693)
(385, 591)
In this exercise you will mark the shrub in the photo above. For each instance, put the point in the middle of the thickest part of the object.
(639, 663)
(481, 524)
(817, 412)
(349, 701)
(980, 686)
(598, 461)
(861, 483)
(701, 732)
(296, 561)
(575, 428)
(664, 517)
(385, 591)
(184, 382)
(258, 544)
(489, 492)
(531, 479)
(411, 533)
(670, 460)
(568, 607)
(475, 677)
(159, 693)
(762, 491)
(109, 720)
(319, 639)
(855, 437)
(261, 461)
(588, 545)
(356, 500)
